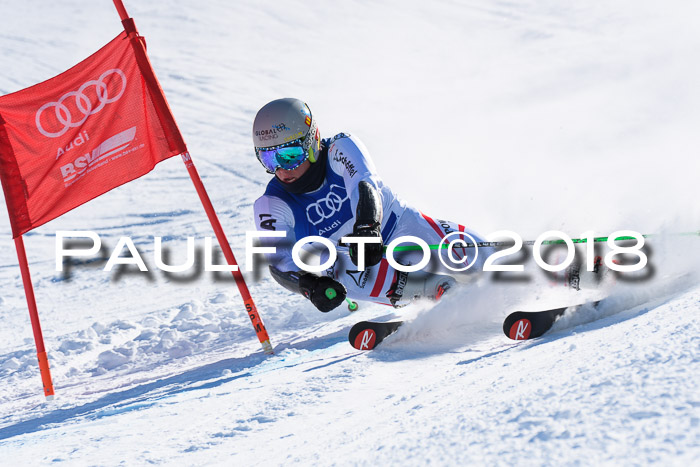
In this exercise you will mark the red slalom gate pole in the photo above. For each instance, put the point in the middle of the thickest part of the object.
(163, 110)
(34, 317)
(228, 254)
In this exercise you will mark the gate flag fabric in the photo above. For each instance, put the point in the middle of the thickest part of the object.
(82, 133)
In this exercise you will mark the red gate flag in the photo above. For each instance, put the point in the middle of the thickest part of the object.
(82, 133)
(76, 136)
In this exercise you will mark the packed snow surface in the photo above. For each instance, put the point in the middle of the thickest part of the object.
(528, 116)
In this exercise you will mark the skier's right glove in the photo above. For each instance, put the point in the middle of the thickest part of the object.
(324, 292)
(373, 251)
(368, 223)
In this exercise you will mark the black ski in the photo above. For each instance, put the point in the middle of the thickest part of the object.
(522, 325)
(366, 335)
(519, 325)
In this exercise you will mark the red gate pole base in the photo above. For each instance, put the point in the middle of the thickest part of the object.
(46, 375)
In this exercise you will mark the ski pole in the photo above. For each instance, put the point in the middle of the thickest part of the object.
(331, 294)
(528, 242)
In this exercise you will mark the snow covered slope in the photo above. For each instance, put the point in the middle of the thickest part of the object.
(529, 117)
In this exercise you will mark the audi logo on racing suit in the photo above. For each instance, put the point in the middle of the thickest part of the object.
(82, 102)
(327, 207)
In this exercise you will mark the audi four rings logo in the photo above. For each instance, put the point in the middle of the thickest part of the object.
(326, 207)
(82, 102)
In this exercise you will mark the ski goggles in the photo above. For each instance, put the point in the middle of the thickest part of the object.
(286, 156)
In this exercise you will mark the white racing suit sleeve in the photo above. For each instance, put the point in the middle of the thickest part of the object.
(351, 159)
(272, 214)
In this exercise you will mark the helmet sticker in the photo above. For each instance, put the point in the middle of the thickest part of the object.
(289, 138)
(280, 127)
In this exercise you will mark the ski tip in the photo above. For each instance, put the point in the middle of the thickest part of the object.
(366, 339)
(523, 325)
(366, 335)
(520, 330)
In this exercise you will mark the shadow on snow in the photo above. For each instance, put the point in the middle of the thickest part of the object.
(202, 378)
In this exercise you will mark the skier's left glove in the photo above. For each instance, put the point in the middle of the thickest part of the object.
(324, 292)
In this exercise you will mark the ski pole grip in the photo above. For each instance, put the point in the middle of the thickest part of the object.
(331, 293)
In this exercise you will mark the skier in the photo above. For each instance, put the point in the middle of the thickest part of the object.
(330, 188)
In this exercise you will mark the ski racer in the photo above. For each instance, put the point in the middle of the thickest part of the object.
(330, 188)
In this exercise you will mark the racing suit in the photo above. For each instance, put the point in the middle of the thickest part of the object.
(330, 211)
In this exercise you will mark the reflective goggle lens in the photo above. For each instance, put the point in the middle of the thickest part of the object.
(288, 158)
